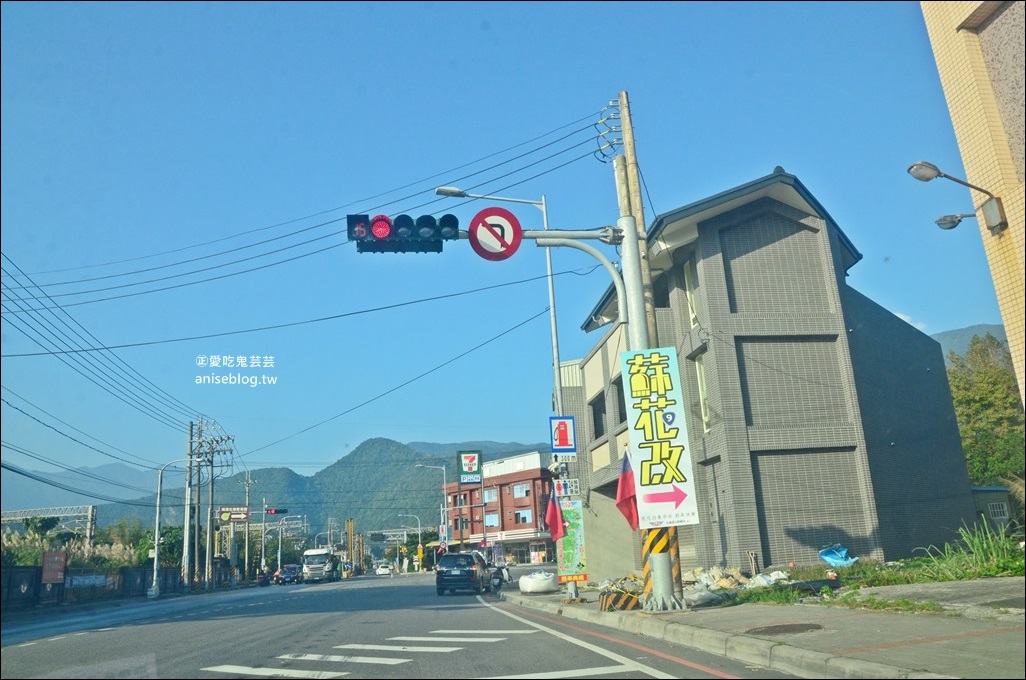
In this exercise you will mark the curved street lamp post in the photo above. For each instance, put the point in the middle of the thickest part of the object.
(154, 590)
(420, 543)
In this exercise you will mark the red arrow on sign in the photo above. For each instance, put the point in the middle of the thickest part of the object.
(676, 496)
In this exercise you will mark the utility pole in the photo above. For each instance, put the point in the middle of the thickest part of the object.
(208, 569)
(187, 527)
(263, 530)
(635, 207)
(628, 185)
(248, 483)
(198, 500)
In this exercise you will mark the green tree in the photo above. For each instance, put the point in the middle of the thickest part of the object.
(988, 409)
(125, 532)
(40, 526)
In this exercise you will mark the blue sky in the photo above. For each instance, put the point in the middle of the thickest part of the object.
(176, 145)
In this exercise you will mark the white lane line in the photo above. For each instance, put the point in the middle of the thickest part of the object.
(338, 658)
(486, 632)
(399, 648)
(445, 639)
(616, 658)
(577, 673)
(274, 672)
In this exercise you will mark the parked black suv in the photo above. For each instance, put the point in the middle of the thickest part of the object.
(462, 571)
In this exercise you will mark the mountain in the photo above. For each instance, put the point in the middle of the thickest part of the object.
(487, 449)
(81, 486)
(957, 341)
(373, 484)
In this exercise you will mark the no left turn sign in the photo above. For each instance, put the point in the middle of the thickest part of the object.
(495, 234)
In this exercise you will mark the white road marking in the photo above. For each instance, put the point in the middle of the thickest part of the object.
(487, 632)
(338, 658)
(399, 648)
(274, 672)
(445, 639)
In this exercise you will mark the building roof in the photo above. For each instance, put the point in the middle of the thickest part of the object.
(679, 227)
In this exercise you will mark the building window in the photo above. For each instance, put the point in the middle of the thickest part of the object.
(521, 490)
(598, 414)
(491, 495)
(690, 292)
(461, 523)
(522, 517)
(703, 395)
(618, 400)
(492, 519)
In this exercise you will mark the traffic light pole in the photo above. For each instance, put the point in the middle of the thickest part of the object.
(629, 290)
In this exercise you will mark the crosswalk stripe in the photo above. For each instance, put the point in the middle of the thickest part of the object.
(399, 648)
(338, 658)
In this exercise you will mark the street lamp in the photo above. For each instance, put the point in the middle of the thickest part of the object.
(420, 544)
(952, 221)
(155, 587)
(456, 192)
(281, 528)
(993, 210)
(444, 515)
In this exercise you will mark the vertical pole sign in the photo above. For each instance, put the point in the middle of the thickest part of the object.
(658, 438)
(468, 464)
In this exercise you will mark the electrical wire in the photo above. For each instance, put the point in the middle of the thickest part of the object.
(294, 323)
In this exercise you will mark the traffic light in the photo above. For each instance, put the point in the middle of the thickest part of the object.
(277, 511)
(401, 234)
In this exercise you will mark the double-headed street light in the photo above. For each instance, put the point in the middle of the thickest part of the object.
(455, 192)
(993, 210)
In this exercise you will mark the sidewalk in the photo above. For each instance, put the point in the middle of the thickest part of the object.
(980, 635)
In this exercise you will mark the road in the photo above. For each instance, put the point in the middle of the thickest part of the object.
(367, 627)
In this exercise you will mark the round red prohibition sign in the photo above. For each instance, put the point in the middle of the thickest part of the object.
(495, 234)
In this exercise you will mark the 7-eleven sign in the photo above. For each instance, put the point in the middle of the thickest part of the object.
(469, 463)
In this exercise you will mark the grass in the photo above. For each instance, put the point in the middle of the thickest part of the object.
(979, 552)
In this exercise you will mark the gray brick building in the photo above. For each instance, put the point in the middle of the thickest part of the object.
(814, 415)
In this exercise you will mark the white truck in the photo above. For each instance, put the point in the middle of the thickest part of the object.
(320, 564)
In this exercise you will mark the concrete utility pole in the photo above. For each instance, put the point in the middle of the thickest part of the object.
(208, 569)
(636, 208)
(248, 483)
(197, 524)
(660, 548)
(187, 525)
(263, 532)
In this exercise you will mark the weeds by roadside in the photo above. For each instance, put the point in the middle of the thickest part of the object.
(980, 552)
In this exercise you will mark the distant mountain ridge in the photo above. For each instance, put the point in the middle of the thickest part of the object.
(957, 340)
(368, 483)
(373, 484)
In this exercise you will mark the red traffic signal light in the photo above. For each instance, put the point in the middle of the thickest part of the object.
(381, 227)
(277, 511)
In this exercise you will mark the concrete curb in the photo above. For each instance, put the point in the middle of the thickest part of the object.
(776, 656)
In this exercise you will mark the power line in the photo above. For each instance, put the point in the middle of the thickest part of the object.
(113, 366)
(359, 201)
(293, 323)
(13, 285)
(403, 384)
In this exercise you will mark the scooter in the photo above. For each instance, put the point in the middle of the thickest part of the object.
(500, 576)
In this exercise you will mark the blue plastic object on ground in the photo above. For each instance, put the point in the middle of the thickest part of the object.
(837, 556)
